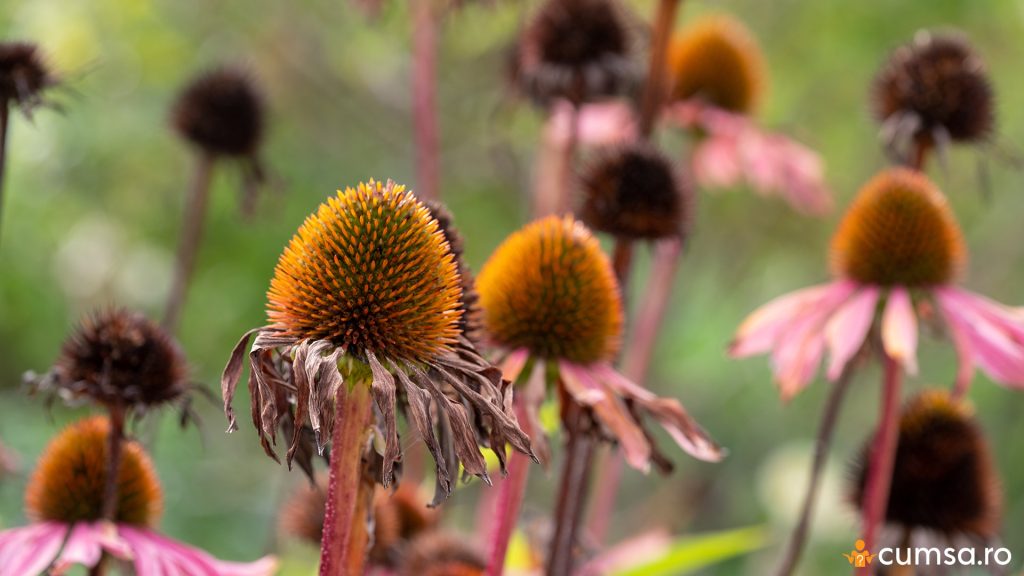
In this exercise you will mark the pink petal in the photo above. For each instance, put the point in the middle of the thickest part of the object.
(30, 549)
(82, 548)
(603, 124)
(899, 329)
(157, 555)
(848, 327)
(761, 331)
(994, 333)
(715, 162)
(609, 410)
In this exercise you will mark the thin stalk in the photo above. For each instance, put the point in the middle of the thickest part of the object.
(191, 238)
(826, 429)
(883, 455)
(920, 155)
(115, 453)
(511, 493)
(553, 189)
(656, 88)
(5, 115)
(622, 262)
(572, 494)
(344, 546)
(424, 98)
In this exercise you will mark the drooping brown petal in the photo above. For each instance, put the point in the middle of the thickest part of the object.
(384, 395)
(322, 372)
(229, 378)
(463, 437)
(609, 411)
(255, 408)
(302, 394)
(419, 412)
(669, 413)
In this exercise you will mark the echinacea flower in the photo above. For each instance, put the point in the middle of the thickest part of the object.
(635, 192)
(932, 92)
(119, 359)
(442, 554)
(368, 293)
(944, 479)
(576, 50)
(64, 499)
(551, 300)
(898, 250)
(717, 76)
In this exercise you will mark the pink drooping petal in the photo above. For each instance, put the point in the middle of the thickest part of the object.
(157, 555)
(30, 549)
(85, 546)
(624, 555)
(848, 327)
(798, 351)
(716, 162)
(600, 124)
(588, 391)
(513, 364)
(899, 329)
(669, 412)
(762, 329)
(994, 333)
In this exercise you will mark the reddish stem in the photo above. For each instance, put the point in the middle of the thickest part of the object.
(920, 155)
(424, 99)
(553, 188)
(511, 493)
(188, 243)
(5, 115)
(883, 455)
(572, 493)
(345, 538)
(656, 88)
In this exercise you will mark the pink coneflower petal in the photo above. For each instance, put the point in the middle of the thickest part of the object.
(30, 549)
(668, 412)
(848, 327)
(762, 329)
(514, 363)
(899, 329)
(992, 333)
(601, 124)
(588, 391)
(84, 547)
(157, 555)
(716, 162)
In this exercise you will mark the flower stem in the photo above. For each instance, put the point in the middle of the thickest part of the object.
(572, 492)
(115, 450)
(655, 89)
(826, 428)
(920, 155)
(883, 454)
(5, 115)
(188, 243)
(424, 98)
(345, 538)
(511, 493)
(553, 188)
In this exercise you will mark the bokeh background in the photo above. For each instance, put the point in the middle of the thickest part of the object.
(95, 195)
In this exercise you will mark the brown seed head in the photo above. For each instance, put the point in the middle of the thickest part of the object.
(302, 515)
(550, 289)
(943, 478)
(370, 271)
(441, 554)
(69, 482)
(635, 192)
(938, 80)
(580, 50)
(399, 517)
(899, 231)
(23, 74)
(221, 112)
(717, 60)
(120, 357)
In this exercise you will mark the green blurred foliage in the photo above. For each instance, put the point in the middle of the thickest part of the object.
(95, 194)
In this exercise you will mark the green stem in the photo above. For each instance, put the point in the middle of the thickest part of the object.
(188, 243)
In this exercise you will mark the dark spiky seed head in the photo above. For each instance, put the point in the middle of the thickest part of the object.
(221, 112)
(399, 516)
(370, 270)
(69, 482)
(442, 554)
(580, 50)
(939, 80)
(635, 192)
(901, 231)
(23, 74)
(302, 515)
(469, 324)
(550, 289)
(116, 356)
(717, 60)
(943, 478)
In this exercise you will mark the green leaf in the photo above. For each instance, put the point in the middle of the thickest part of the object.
(691, 553)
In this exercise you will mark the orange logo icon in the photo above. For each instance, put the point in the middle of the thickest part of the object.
(859, 558)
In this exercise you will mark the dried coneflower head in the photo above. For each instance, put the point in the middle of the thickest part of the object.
(469, 324)
(901, 231)
(302, 515)
(934, 89)
(579, 50)
(400, 516)
(221, 113)
(637, 193)
(550, 289)
(23, 75)
(441, 554)
(68, 483)
(370, 271)
(718, 61)
(116, 357)
(944, 478)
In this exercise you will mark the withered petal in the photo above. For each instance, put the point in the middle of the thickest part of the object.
(384, 395)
